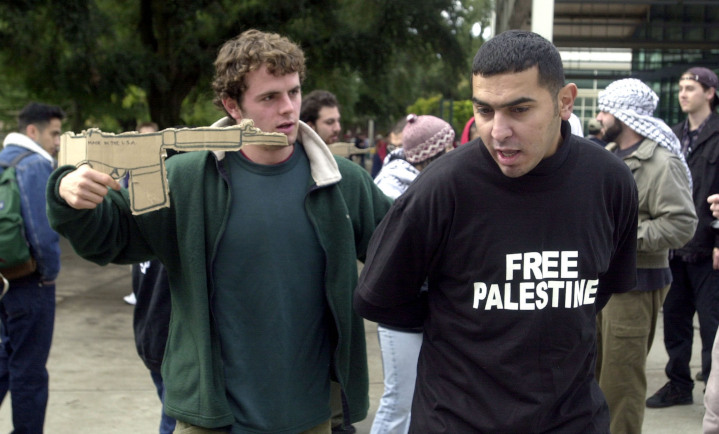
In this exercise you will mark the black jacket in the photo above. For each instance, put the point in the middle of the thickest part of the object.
(151, 319)
(703, 161)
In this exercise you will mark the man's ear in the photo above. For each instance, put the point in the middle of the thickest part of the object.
(710, 95)
(565, 100)
(32, 131)
(232, 108)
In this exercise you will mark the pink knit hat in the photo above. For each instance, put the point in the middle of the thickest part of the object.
(425, 136)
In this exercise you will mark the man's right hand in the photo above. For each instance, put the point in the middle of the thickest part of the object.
(85, 188)
(714, 204)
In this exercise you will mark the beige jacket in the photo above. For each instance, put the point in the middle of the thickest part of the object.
(667, 219)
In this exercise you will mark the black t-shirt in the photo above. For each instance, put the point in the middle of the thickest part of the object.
(515, 267)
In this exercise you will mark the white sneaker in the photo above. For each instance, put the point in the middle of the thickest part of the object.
(130, 299)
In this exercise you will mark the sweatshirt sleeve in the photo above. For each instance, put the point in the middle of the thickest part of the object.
(108, 233)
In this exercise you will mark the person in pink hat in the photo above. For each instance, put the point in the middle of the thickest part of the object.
(424, 139)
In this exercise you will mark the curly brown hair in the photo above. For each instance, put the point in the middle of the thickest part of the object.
(248, 52)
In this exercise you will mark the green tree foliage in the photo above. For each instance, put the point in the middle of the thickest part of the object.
(457, 113)
(449, 99)
(110, 63)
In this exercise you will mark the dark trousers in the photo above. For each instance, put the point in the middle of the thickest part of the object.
(27, 315)
(695, 289)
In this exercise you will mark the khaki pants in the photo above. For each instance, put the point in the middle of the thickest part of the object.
(186, 428)
(336, 404)
(625, 331)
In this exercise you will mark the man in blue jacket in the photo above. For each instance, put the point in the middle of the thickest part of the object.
(260, 248)
(27, 311)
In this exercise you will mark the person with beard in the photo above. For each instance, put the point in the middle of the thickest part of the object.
(666, 220)
(321, 112)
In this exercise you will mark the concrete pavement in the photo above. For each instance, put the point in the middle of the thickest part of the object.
(98, 383)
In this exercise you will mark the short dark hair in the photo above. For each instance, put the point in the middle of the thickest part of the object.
(313, 102)
(518, 51)
(39, 115)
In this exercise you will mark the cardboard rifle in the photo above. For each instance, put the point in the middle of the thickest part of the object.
(142, 155)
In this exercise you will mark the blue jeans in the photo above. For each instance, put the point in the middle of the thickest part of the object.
(400, 351)
(27, 315)
(167, 424)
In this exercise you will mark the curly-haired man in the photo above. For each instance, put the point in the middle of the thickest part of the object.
(260, 247)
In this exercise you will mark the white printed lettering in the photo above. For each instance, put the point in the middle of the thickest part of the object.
(532, 264)
(480, 293)
(494, 299)
(542, 295)
(579, 292)
(549, 265)
(513, 260)
(569, 260)
(508, 303)
(555, 286)
(590, 291)
(526, 296)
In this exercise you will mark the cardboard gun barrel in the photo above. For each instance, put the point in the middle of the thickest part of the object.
(143, 154)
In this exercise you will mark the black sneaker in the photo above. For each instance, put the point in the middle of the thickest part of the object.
(668, 396)
(350, 429)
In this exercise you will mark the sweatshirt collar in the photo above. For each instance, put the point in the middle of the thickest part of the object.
(23, 141)
(323, 167)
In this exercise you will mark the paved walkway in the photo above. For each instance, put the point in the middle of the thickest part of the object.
(99, 385)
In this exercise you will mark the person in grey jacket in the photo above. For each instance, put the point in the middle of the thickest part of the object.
(666, 220)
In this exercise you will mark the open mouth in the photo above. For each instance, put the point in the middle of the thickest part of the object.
(286, 127)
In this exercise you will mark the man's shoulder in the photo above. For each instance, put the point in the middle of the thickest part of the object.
(598, 162)
(585, 149)
(23, 157)
(713, 121)
(349, 168)
(678, 127)
(184, 159)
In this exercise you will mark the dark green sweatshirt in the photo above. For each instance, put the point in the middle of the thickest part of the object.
(344, 207)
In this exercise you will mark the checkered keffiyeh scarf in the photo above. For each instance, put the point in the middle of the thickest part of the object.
(633, 102)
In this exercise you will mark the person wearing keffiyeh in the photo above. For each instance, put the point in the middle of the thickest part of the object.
(666, 220)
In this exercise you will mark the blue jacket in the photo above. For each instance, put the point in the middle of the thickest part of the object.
(32, 174)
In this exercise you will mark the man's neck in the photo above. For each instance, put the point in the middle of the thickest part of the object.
(266, 154)
(696, 118)
(628, 138)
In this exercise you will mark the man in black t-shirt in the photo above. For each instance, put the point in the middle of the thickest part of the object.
(522, 237)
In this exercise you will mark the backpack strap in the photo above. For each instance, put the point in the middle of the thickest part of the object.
(17, 160)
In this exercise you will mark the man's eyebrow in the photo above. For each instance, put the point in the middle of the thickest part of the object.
(276, 92)
(512, 103)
